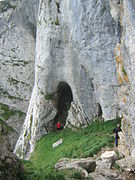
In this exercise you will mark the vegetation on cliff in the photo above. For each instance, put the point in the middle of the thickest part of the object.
(80, 143)
(6, 112)
(10, 165)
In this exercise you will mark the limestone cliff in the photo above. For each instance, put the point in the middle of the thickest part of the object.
(84, 65)
(10, 165)
(17, 52)
(125, 72)
(75, 66)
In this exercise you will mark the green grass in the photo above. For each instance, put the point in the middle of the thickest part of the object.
(123, 70)
(6, 112)
(82, 143)
(49, 96)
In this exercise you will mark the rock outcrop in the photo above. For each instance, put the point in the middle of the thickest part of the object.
(17, 53)
(90, 167)
(10, 165)
(75, 61)
(84, 65)
(125, 72)
(84, 165)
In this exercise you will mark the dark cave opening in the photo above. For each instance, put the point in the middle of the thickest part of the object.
(99, 110)
(63, 103)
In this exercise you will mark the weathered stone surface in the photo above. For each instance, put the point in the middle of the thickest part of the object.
(109, 173)
(110, 155)
(133, 154)
(107, 159)
(103, 164)
(56, 144)
(76, 45)
(17, 53)
(75, 116)
(10, 165)
(84, 165)
(123, 147)
(89, 45)
(127, 164)
(125, 72)
(106, 174)
(97, 176)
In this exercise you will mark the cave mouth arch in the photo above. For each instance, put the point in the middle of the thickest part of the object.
(100, 112)
(63, 103)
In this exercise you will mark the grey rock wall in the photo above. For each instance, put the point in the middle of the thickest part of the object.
(86, 44)
(126, 71)
(17, 53)
(76, 43)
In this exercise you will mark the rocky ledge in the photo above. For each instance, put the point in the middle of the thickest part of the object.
(10, 165)
(105, 167)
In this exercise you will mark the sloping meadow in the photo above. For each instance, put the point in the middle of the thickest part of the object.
(84, 142)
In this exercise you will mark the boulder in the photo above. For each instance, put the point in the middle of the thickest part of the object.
(109, 173)
(126, 164)
(110, 155)
(106, 161)
(103, 164)
(10, 165)
(96, 176)
(84, 165)
(106, 174)
(56, 144)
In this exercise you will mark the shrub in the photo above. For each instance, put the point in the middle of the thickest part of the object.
(49, 96)
(57, 22)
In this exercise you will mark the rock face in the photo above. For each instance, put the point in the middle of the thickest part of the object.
(127, 164)
(125, 54)
(17, 53)
(84, 65)
(75, 61)
(10, 165)
(107, 160)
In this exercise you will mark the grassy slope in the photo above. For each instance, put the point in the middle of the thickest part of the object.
(81, 143)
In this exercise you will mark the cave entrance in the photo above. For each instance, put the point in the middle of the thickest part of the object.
(63, 103)
(99, 110)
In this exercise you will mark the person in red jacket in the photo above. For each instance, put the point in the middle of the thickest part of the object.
(58, 126)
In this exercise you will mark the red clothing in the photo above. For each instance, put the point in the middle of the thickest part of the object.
(58, 125)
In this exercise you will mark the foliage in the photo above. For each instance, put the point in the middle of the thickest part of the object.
(116, 166)
(49, 96)
(6, 127)
(6, 112)
(82, 143)
(77, 175)
(57, 22)
(123, 70)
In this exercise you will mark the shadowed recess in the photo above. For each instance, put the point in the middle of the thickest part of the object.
(63, 103)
